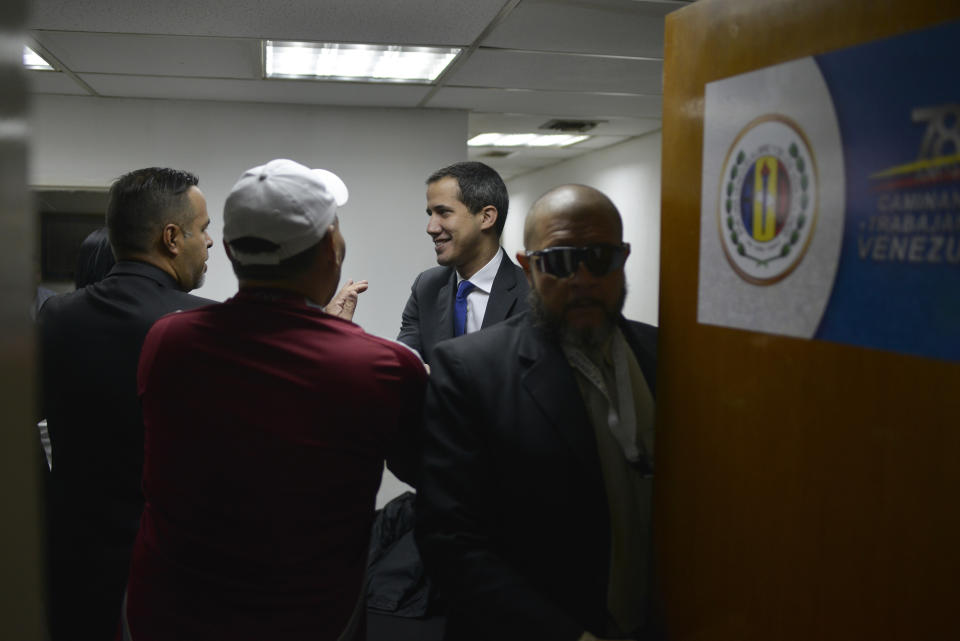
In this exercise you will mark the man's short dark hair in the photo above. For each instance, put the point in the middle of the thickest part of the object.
(142, 202)
(286, 268)
(480, 185)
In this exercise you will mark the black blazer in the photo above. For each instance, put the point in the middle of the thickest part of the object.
(90, 344)
(428, 314)
(512, 517)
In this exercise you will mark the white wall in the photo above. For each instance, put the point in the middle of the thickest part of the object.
(383, 155)
(629, 174)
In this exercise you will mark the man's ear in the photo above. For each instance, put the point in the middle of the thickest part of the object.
(226, 248)
(488, 217)
(329, 246)
(524, 261)
(172, 238)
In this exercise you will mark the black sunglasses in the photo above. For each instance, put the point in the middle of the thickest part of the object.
(564, 261)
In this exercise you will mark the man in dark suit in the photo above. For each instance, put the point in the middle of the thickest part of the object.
(90, 342)
(467, 209)
(533, 510)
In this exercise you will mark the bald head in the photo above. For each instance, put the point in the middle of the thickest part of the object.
(574, 262)
(566, 208)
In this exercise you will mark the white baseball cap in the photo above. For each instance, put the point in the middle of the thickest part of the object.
(282, 202)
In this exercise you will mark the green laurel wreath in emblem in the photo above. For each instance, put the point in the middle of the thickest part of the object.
(801, 219)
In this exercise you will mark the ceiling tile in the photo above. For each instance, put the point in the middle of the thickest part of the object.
(154, 55)
(54, 82)
(616, 27)
(599, 142)
(568, 59)
(558, 104)
(532, 156)
(523, 159)
(409, 22)
(275, 91)
(518, 163)
(558, 72)
(481, 122)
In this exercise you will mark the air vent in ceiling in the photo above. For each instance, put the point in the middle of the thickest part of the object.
(496, 154)
(571, 125)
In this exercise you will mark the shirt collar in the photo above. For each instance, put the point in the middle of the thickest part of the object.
(146, 270)
(483, 279)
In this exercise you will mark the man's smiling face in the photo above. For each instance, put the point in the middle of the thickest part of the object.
(456, 233)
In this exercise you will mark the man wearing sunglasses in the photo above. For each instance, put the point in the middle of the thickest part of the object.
(476, 285)
(535, 488)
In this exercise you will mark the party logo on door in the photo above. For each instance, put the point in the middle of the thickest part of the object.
(768, 199)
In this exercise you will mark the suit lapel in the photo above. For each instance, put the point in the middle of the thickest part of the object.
(444, 312)
(646, 359)
(503, 295)
(550, 381)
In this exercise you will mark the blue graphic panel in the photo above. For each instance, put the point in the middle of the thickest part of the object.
(898, 282)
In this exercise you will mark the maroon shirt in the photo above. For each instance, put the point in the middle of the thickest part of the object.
(267, 425)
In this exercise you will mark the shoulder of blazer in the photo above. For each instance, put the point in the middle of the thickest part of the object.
(509, 273)
(431, 280)
(511, 277)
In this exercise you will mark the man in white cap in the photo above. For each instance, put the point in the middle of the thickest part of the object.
(267, 424)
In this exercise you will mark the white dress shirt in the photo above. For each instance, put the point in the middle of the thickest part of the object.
(480, 294)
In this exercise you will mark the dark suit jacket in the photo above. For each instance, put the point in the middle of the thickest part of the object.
(428, 315)
(90, 344)
(512, 517)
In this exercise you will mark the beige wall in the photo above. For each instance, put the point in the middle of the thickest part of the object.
(383, 155)
(629, 174)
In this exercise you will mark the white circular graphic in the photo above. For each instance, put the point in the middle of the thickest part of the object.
(768, 200)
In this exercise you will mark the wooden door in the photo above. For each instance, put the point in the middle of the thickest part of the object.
(806, 490)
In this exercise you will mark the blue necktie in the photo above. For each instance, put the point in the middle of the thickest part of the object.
(460, 307)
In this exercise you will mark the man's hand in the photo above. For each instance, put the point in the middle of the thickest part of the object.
(345, 302)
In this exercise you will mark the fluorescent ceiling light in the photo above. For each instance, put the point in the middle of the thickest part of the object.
(484, 140)
(556, 140)
(524, 140)
(514, 140)
(371, 63)
(33, 60)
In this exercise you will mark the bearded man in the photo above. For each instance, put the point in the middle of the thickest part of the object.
(533, 511)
